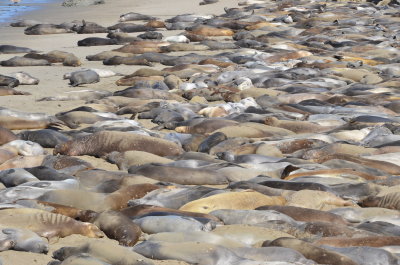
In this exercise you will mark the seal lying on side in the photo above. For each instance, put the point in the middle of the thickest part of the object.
(47, 224)
(102, 143)
(22, 240)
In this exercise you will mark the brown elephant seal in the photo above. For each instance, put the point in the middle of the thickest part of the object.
(72, 212)
(371, 241)
(7, 91)
(206, 126)
(6, 136)
(42, 29)
(312, 252)
(211, 31)
(22, 61)
(98, 201)
(47, 224)
(307, 215)
(102, 143)
(117, 226)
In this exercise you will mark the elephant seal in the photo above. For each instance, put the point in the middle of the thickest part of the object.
(191, 252)
(25, 78)
(198, 236)
(83, 77)
(96, 41)
(307, 215)
(134, 60)
(389, 201)
(6, 91)
(116, 226)
(47, 224)
(370, 241)
(23, 240)
(5, 49)
(143, 209)
(42, 29)
(102, 143)
(172, 223)
(210, 31)
(106, 250)
(312, 252)
(180, 175)
(6, 136)
(22, 61)
(8, 81)
(46, 138)
(132, 16)
(232, 200)
(98, 201)
(15, 176)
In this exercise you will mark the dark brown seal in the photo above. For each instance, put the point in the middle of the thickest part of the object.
(6, 136)
(117, 226)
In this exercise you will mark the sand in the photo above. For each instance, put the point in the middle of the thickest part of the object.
(52, 83)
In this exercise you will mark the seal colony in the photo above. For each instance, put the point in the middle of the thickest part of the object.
(266, 134)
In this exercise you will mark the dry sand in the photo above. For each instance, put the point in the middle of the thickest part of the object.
(52, 83)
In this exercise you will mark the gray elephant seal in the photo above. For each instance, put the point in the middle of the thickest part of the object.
(25, 78)
(22, 61)
(83, 77)
(23, 240)
(102, 143)
(14, 49)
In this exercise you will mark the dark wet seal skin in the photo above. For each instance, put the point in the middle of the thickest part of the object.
(8, 81)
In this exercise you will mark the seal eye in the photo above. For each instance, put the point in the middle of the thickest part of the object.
(205, 207)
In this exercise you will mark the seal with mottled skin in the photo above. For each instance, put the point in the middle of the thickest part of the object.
(102, 143)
